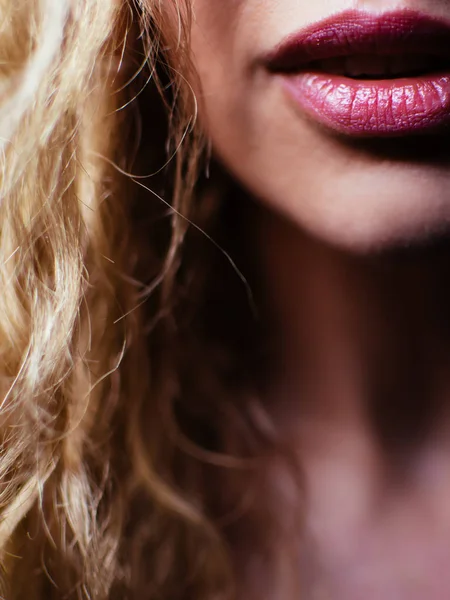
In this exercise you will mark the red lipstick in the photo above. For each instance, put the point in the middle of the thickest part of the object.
(372, 75)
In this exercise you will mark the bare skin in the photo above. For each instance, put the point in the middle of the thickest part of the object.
(355, 251)
(361, 391)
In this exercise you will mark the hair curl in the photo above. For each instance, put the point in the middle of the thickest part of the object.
(116, 424)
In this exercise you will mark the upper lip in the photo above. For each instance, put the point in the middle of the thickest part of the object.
(355, 32)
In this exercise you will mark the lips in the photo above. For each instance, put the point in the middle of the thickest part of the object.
(369, 75)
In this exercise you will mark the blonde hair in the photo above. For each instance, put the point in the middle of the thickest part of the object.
(102, 496)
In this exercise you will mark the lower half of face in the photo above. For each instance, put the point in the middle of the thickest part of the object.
(328, 116)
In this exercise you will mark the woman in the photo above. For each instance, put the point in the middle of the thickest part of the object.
(224, 309)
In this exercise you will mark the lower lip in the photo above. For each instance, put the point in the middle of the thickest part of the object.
(373, 108)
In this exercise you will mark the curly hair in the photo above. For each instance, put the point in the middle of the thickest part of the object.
(122, 404)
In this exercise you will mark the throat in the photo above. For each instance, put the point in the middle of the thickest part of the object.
(399, 551)
(361, 342)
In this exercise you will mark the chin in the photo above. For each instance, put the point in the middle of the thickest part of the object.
(358, 206)
(370, 211)
(360, 196)
(377, 234)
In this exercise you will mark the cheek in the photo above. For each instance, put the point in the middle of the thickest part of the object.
(224, 38)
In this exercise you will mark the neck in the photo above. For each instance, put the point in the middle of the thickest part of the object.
(362, 342)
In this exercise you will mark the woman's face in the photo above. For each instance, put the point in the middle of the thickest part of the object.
(355, 153)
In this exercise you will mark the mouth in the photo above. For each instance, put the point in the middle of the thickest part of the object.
(379, 67)
(369, 75)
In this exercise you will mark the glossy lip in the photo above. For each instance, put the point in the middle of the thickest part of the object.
(377, 107)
